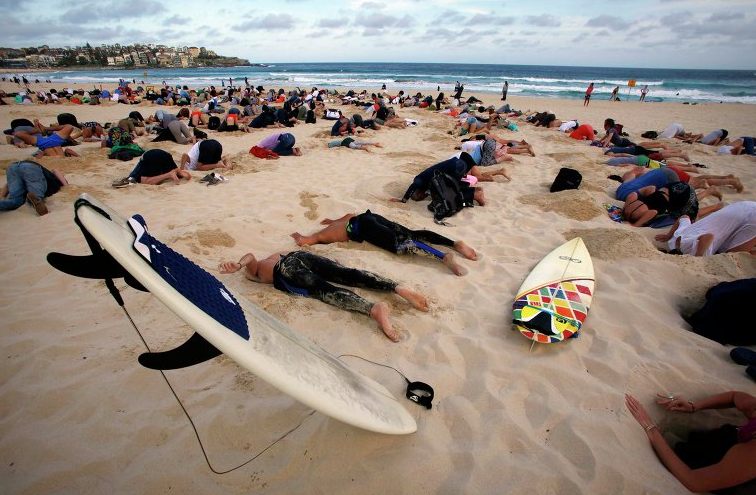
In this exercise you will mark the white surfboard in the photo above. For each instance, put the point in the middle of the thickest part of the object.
(553, 300)
(265, 346)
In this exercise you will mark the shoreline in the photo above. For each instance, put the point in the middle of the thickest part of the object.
(667, 85)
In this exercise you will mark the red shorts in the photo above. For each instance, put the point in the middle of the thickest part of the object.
(684, 177)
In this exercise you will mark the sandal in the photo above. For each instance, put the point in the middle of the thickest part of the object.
(124, 182)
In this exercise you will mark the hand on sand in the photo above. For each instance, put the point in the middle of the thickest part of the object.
(229, 267)
(663, 237)
(638, 411)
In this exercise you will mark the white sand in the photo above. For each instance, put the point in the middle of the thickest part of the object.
(79, 415)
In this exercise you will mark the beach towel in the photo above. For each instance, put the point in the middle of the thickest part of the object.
(614, 212)
(262, 152)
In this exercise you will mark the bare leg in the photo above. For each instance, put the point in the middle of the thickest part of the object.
(417, 300)
(704, 242)
(334, 232)
(707, 210)
(747, 247)
(450, 262)
(465, 250)
(380, 313)
(710, 191)
(479, 197)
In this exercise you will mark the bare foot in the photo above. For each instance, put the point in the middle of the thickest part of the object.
(479, 197)
(297, 151)
(380, 313)
(714, 190)
(449, 261)
(417, 300)
(465, 250)
(738, 185)
(303, 240)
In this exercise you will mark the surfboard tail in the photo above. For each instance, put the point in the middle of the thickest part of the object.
(100, 265)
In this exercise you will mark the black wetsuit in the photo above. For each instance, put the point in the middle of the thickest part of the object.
(455, 167)
(391, 236)
(307, 274)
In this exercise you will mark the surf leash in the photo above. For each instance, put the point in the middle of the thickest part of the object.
(104, 267)
(418, 392)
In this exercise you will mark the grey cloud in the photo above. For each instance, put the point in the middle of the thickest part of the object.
(371, 31)
(547, 20)
(405, 21)
(608, 21)
(332, 23)
(176, 19)
(725, 16)
(268, 22)
(376, 21)
(496, 20)
(112, 11)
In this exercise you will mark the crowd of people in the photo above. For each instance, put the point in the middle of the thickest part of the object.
(663, 188)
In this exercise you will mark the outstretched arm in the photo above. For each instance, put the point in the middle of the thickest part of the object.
(732, 470)
(670, 234)
(745, 403)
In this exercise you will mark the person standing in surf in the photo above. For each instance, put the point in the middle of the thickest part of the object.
(644, 92)
(504, 91)
(588, 93)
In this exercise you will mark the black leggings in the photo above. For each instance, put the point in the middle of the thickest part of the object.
(308, 274)
(396, 238)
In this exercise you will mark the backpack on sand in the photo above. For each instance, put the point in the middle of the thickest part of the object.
(446, 196)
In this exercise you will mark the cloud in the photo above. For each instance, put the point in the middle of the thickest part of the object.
(492, 19)
(267, 22)
(112, 11)
(546, 20)
(333, 23)
(608, 21)
(376, 21)
(176, 19)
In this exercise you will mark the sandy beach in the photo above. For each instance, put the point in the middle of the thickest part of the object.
(79, 415)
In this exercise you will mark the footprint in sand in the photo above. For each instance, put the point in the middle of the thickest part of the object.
(307, 200)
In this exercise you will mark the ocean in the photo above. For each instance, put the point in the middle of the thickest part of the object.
(685, 85)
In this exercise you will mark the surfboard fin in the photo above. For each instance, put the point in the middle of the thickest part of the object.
(100, 266)
(196, 350)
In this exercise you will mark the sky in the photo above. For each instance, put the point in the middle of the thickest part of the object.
(640, 33)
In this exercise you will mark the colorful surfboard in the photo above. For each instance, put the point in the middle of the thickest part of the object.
(553, 301)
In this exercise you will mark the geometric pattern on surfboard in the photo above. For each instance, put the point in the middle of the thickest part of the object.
(553, 312)
(191, 281)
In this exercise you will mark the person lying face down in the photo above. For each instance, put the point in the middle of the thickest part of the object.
(729, 230)
(391, 236)
(308, 274)
(28, 181)
(205, 155)
(154, 167)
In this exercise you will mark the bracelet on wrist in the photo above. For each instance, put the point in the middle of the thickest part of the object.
(692, 406)
(651, 427)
